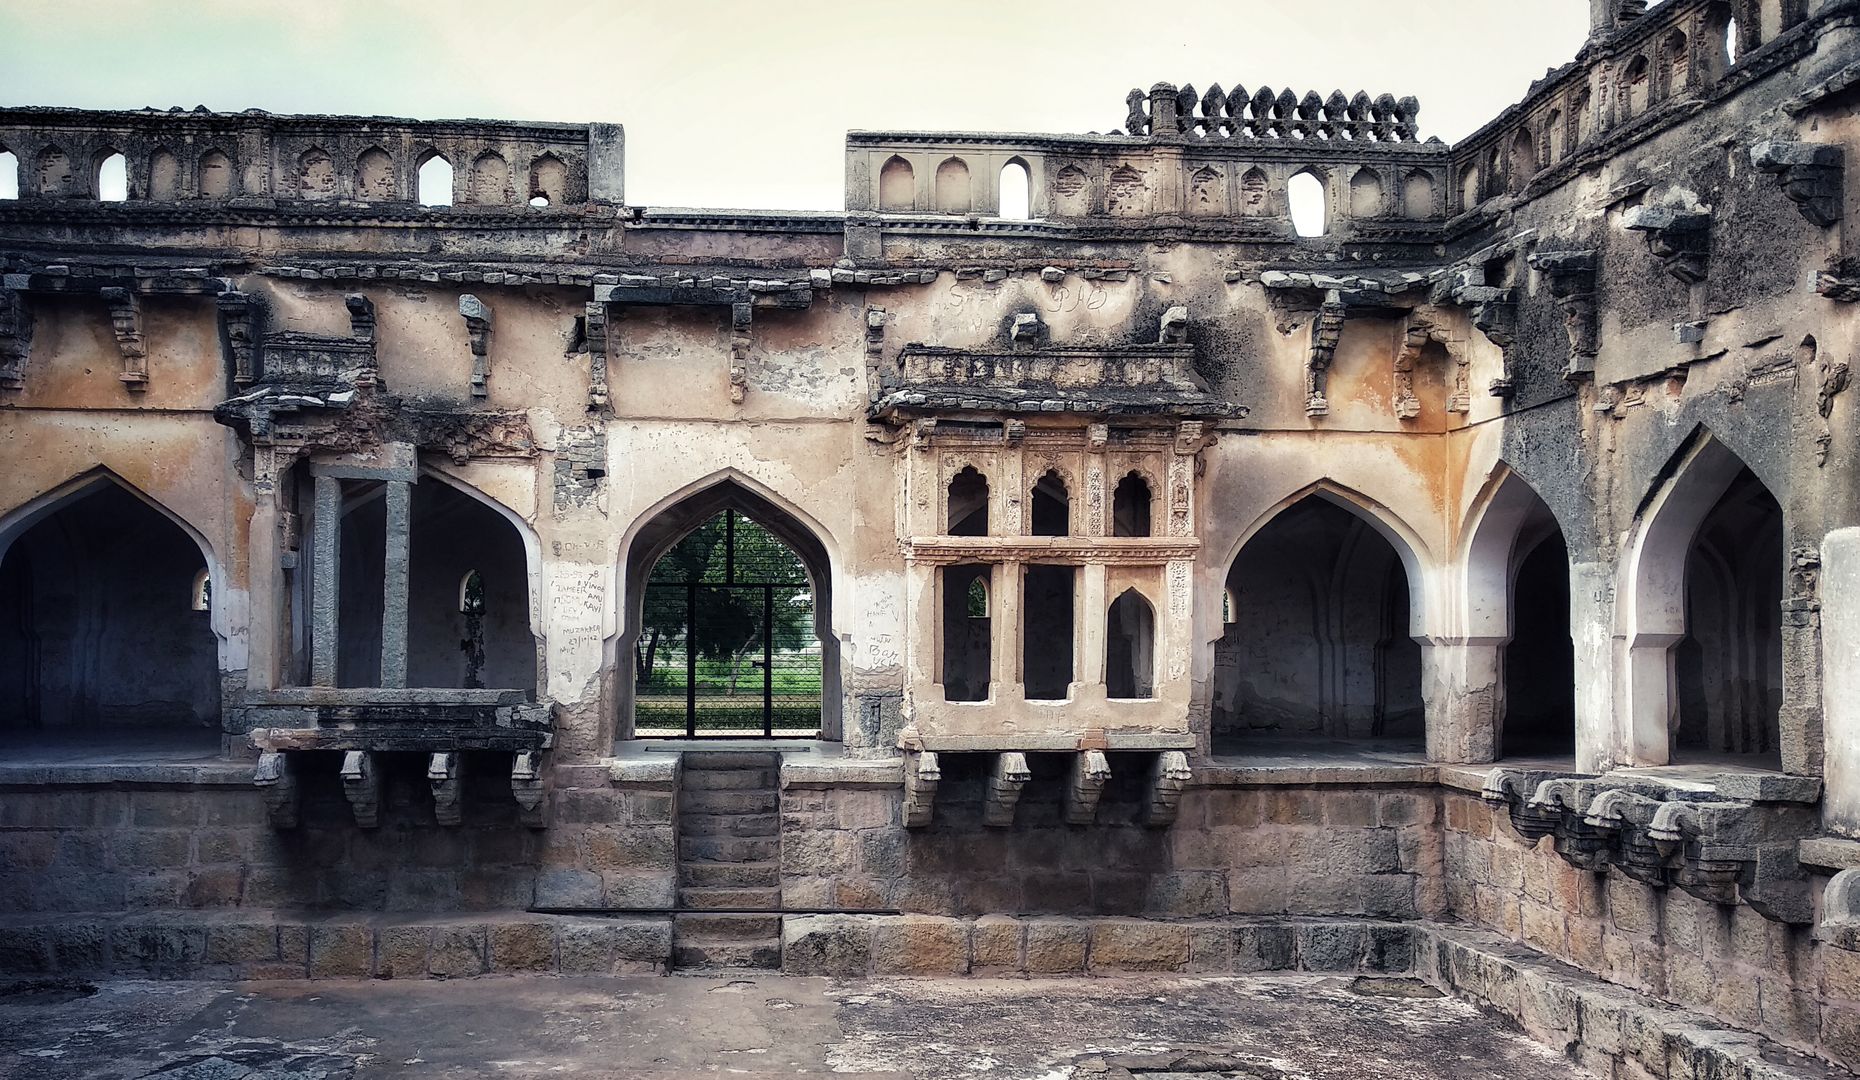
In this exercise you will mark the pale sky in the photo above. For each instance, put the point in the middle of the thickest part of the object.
(729, 103)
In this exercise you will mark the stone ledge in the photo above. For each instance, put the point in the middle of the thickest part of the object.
(1829, 853)
(180, 774)
(1314, 775)
(262, 945)
(818, 772)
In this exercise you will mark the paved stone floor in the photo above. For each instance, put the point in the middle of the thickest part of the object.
(1303, 1027)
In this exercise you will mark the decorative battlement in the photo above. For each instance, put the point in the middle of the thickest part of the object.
(256, 157)
(1166, 112)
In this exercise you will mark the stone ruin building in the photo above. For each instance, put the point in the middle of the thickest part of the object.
(1466, 586)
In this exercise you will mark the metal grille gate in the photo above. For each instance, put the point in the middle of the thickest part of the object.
(727, 644)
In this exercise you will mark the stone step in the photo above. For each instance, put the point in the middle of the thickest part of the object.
(705, 955)
(729, 825)
(705, 874)
(727, 802)
(726, 926)
(712, 760)
(739, 849)
(730, 899)
(732, 779)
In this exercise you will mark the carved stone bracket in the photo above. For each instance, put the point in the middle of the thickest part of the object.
(1719, 849)
(1494, 313)
(242, 325)
(740, 318)
(443, 774)
(526, 785)
(276, 777)
(1810, 174)
(1415, 338)
(1169, 777)
(1174, 326)
(877, 379)
(922, 774)
(362, 328)
(1679, 236)
(126, 321)
(361, 782)
(1090, 771)
(15, 338)
(595, 324)
(1570, 276)
(1326, 332)
(478, 328)
(1004, 784)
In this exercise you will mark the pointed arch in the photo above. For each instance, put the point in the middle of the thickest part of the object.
(214, 179)
(1417, 195)
(897, 185)
(1408, 545)
(658, 529)
(1366, 193)
(164, 175)
(548, 182)
(434, 179)
(1130, 647)
(9, 174)
(1015, 185)
(490, 179)
(532, 544)
(1309, 203)
(1654, 613)
(374, 175)
(56, 178)
(952, 186)
(316, 174)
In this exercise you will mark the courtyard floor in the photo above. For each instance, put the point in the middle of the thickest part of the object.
(1254, 1028)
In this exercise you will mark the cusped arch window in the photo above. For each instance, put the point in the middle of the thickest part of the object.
(1130, 506)
(968, 503)
(1052, 505)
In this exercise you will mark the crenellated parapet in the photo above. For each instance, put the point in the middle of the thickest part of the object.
(1263, 114)
(256, 159)
(1729, 840)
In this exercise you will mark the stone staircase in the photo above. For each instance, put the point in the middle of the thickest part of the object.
(729, 870)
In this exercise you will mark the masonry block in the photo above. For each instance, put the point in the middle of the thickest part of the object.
(920, 945)
(1138, 945)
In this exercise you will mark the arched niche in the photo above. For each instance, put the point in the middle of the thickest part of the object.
(316, 174)
(664, 527)
(1130, 647)
(104, 629)
(490, 179)
(1701, 615)
(374, 175)
(215, 177)
(952, 187)
(897, 185)
(548, 181)
(1366, 193)
(1417, 195)
(164, 175)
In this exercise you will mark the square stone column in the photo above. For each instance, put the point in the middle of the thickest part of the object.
(1004, 658)
(325, 580)
(394, 584)
(1840, 665)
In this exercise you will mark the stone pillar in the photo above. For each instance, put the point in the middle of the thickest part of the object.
(1004, 684)
(394, 585)
(1463, 682)
(265, 629)
(325, 581)
(1089, 612)
(1840, 666)
(1591, 614)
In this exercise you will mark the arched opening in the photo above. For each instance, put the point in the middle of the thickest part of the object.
(1130, 647)
(216, 176)
(1675, 65)
(105, 626)
(1365, 193)
(1255, 193)
(451, 537)
(952, 186)
(1320, 649)
(1718, 41)
(968, 503)
(548, 181)
(1556, 137)
(967, 633)
(490, 179)
(1130, 506)
(1047, 605)
(1728, 668)
(112, 178)
(1417, 195)
(1733, 45)
(1635, 89)
(1523, 160)
(316, 175)
(1469, 188)
(1517, 592)
(1583, 109)
(164, 176)
(1016, 190)
(9, 174)
(1703, 616)
(435, 181)
(374, 175)
(729, 600)
(897, 185)
(1309, 205)
(1051, 506)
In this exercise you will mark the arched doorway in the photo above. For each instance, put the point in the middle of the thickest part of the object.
(105, 623)
(729, 602)
(1319, 649)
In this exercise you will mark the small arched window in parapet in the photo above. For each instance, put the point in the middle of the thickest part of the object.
(1718, 43)
(1310, 212)
(897, 185)
(1052, 505)
(316, 175)
(435, 180)
(1523, 159)
(1229, 610)
(490, 179)
(1016, 191)
(1733, 44)
(112, 177)
(471, 593)
(968, 503)
(1417, 195)
(1366, 193)
(216, 176)
(1675, 65)
(1556, 137)
(374, 175)
(1130, 506)
(1582, 108)
(55, 178)
(1255, 193)
(952, 186)
(1071, 196)
(976, 602)
(1494, 173)
(9, 174)
(164, 175)
(200, 594)
(1634, 89)
(548, 181)
(1469, 187)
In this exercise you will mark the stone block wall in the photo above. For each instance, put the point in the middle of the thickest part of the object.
(1727, 962)
(1300, 850)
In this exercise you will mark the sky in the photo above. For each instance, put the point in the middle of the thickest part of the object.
(736, 104)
